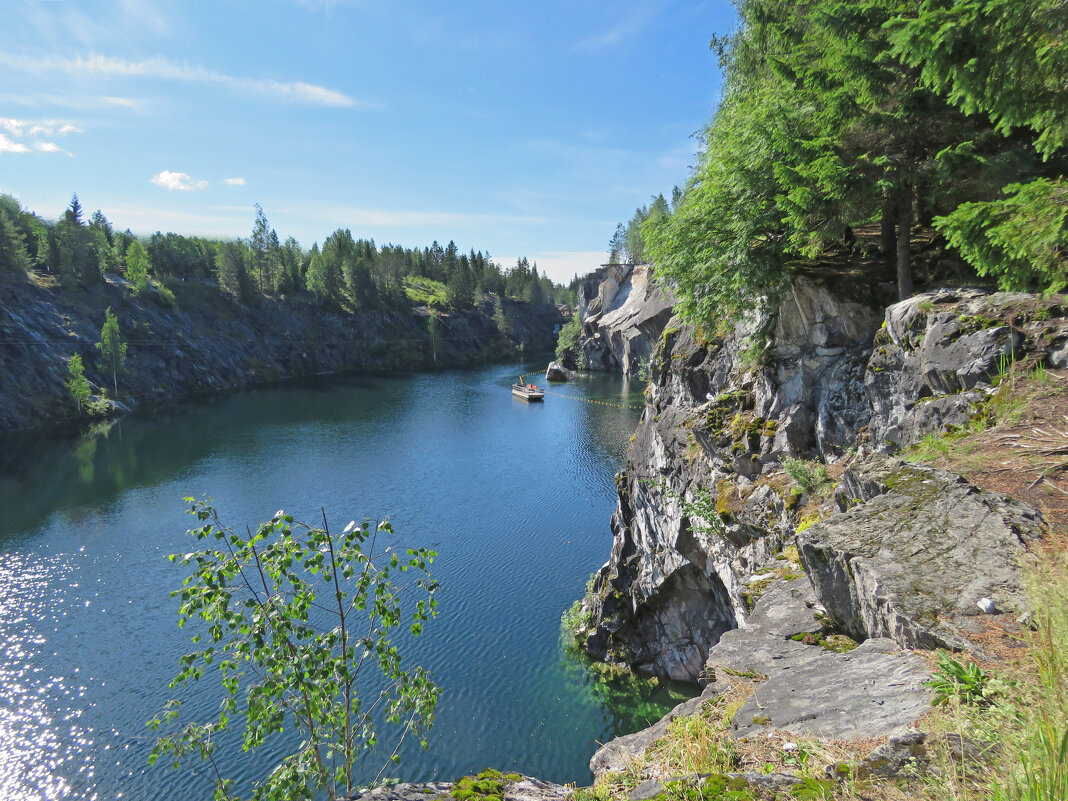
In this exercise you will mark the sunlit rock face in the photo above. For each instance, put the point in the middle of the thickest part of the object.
(623, 312)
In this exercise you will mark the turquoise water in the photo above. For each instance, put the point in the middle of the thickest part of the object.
(515, 497)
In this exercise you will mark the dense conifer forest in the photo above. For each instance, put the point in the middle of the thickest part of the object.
(344, 274)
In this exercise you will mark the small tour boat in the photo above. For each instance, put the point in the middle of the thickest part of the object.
(527, 391)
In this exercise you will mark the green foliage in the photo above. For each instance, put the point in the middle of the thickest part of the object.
(575, 619)
(264, 253)
(292, 618)
(112, 349)
(13, 254)
(643, 369)
(722, 247)
(1038, 757)
(77, 384)
(809, 476)
(837, 114)
(231, 270)
(137, 266)
(568, 345)
(1003, 58)
(424, 291)
(1021, 240)
(966, 683)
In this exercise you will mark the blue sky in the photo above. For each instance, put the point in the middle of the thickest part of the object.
(522, 129)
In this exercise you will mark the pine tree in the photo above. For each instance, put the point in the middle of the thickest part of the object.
(13, 255)
(231, 272)
(324, 277)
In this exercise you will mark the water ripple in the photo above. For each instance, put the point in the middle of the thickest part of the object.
(515, 497)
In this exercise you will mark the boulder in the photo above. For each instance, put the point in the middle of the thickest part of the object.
(557, 372)
(912, 562)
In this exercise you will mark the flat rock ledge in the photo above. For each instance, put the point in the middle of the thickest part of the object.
(874, 691)
(526, 789)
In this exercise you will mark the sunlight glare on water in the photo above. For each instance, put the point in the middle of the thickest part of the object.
(515, 497)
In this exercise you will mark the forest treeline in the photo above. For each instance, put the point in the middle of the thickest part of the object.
(344, 274)
(854, 126)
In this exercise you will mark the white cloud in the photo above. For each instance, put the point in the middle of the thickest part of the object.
(125, 102)
(12, 126)
(96, 64)
(58, 22)
(50, 147)
(181, 181)
(37, 127)
(9, 146)
(234, 181)
(50, 127)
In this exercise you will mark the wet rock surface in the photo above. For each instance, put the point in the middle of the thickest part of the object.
(557, 372)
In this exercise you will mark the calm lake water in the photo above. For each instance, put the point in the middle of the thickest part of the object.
(515, 497)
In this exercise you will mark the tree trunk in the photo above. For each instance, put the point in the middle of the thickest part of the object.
(886, 235)
(904, 244)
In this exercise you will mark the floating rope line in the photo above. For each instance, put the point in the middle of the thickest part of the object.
(523, 380)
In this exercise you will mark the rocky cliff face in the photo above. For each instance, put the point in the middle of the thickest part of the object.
(207, 344)
(623, 313)
(706, 509)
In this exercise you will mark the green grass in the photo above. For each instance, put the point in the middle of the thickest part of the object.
(810, 476)
(1038, 758)
(424, 291)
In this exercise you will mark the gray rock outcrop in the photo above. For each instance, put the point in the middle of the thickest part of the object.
(939, 354)
(623, 312)
(868, 692)
(523, 789)
(912, 561)
(699, 510)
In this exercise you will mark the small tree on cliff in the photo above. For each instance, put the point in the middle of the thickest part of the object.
(77, 384)
(292, 616)
(112, 349)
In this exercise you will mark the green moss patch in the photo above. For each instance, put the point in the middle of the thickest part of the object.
(486, 786)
